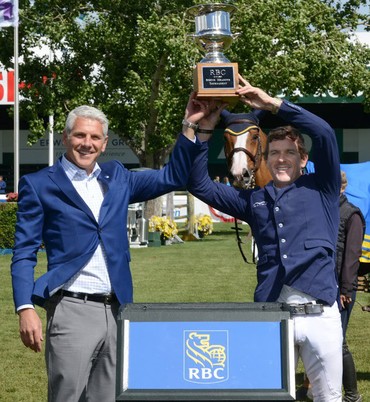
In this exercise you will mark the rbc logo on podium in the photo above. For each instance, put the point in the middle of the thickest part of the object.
(206, 356)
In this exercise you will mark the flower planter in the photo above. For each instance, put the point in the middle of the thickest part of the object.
(154, 239)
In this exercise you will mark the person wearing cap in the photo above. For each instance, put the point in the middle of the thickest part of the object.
(294, 220)
(78, 209)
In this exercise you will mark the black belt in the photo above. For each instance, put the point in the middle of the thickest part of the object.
(99, 298)
(303, 309)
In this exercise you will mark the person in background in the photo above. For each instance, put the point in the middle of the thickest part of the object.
(78, 209)
(2, 185)
(226, 181)
(216, 179)
(294, 220)
(349, 250)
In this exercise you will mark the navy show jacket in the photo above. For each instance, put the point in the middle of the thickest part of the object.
(296, 227)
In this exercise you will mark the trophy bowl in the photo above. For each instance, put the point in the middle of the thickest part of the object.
(213, 34)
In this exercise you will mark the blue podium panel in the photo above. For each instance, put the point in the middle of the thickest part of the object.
(205, 352)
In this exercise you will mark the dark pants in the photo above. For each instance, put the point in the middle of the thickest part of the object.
(349, 370)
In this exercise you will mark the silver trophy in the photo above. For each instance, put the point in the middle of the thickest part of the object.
(213, 34)
(214, 75)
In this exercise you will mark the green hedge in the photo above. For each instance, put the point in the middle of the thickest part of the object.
(8, 212)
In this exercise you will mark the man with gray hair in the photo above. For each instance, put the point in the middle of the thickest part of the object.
(78, 210)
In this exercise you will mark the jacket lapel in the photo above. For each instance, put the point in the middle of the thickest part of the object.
(271, 191)
(104, 179)
(59, 177)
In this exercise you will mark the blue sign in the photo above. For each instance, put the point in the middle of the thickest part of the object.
(204, 355)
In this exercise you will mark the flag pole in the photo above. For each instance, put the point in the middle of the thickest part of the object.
(51, 116)
(51, 139)
(16, 110)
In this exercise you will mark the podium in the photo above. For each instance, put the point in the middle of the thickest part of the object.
(206, 352)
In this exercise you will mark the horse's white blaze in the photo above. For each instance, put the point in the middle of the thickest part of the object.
(239, 163)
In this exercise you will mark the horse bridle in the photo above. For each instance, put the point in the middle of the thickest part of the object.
(256, 158)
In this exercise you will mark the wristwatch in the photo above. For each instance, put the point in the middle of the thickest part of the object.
(188, 124)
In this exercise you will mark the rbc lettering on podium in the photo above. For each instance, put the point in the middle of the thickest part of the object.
(206, 356)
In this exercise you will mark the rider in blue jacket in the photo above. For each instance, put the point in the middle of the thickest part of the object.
(294, 220)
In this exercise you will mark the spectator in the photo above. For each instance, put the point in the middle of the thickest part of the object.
(2, 185)
(349, 250)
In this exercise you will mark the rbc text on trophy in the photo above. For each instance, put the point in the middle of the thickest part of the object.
(214, 76)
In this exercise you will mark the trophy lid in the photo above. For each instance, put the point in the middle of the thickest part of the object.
(212, 20)
(202, 9)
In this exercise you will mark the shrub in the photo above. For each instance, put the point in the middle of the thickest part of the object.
(7, 224)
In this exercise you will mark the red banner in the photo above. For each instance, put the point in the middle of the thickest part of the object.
(6, 87)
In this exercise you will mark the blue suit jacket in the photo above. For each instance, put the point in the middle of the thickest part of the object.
(295, 228)
(50, 210)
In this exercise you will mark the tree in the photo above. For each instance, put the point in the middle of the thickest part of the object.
(303, 45)
(133, 59)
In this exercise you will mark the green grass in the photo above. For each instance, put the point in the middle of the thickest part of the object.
(211, 270)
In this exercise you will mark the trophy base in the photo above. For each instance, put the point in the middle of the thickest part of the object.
(218, 81)
(230, 98)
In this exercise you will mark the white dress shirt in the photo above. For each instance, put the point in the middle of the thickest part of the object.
(93, 277)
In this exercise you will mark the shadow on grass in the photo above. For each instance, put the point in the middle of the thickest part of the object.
(211, 238)
(363, 376)
(299, 378)
(230, 233)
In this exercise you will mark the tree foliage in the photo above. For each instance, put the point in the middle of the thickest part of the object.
(133, 59)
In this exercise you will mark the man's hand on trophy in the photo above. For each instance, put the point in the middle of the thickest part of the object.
(194, 112)
(196, 109)
(213, 110)
(256, 97)
(210, 119)
(201, 115)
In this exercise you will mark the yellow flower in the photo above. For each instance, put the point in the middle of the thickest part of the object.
(204, 224)
(166, 226)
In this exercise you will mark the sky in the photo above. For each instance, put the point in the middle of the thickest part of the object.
(364, 37)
